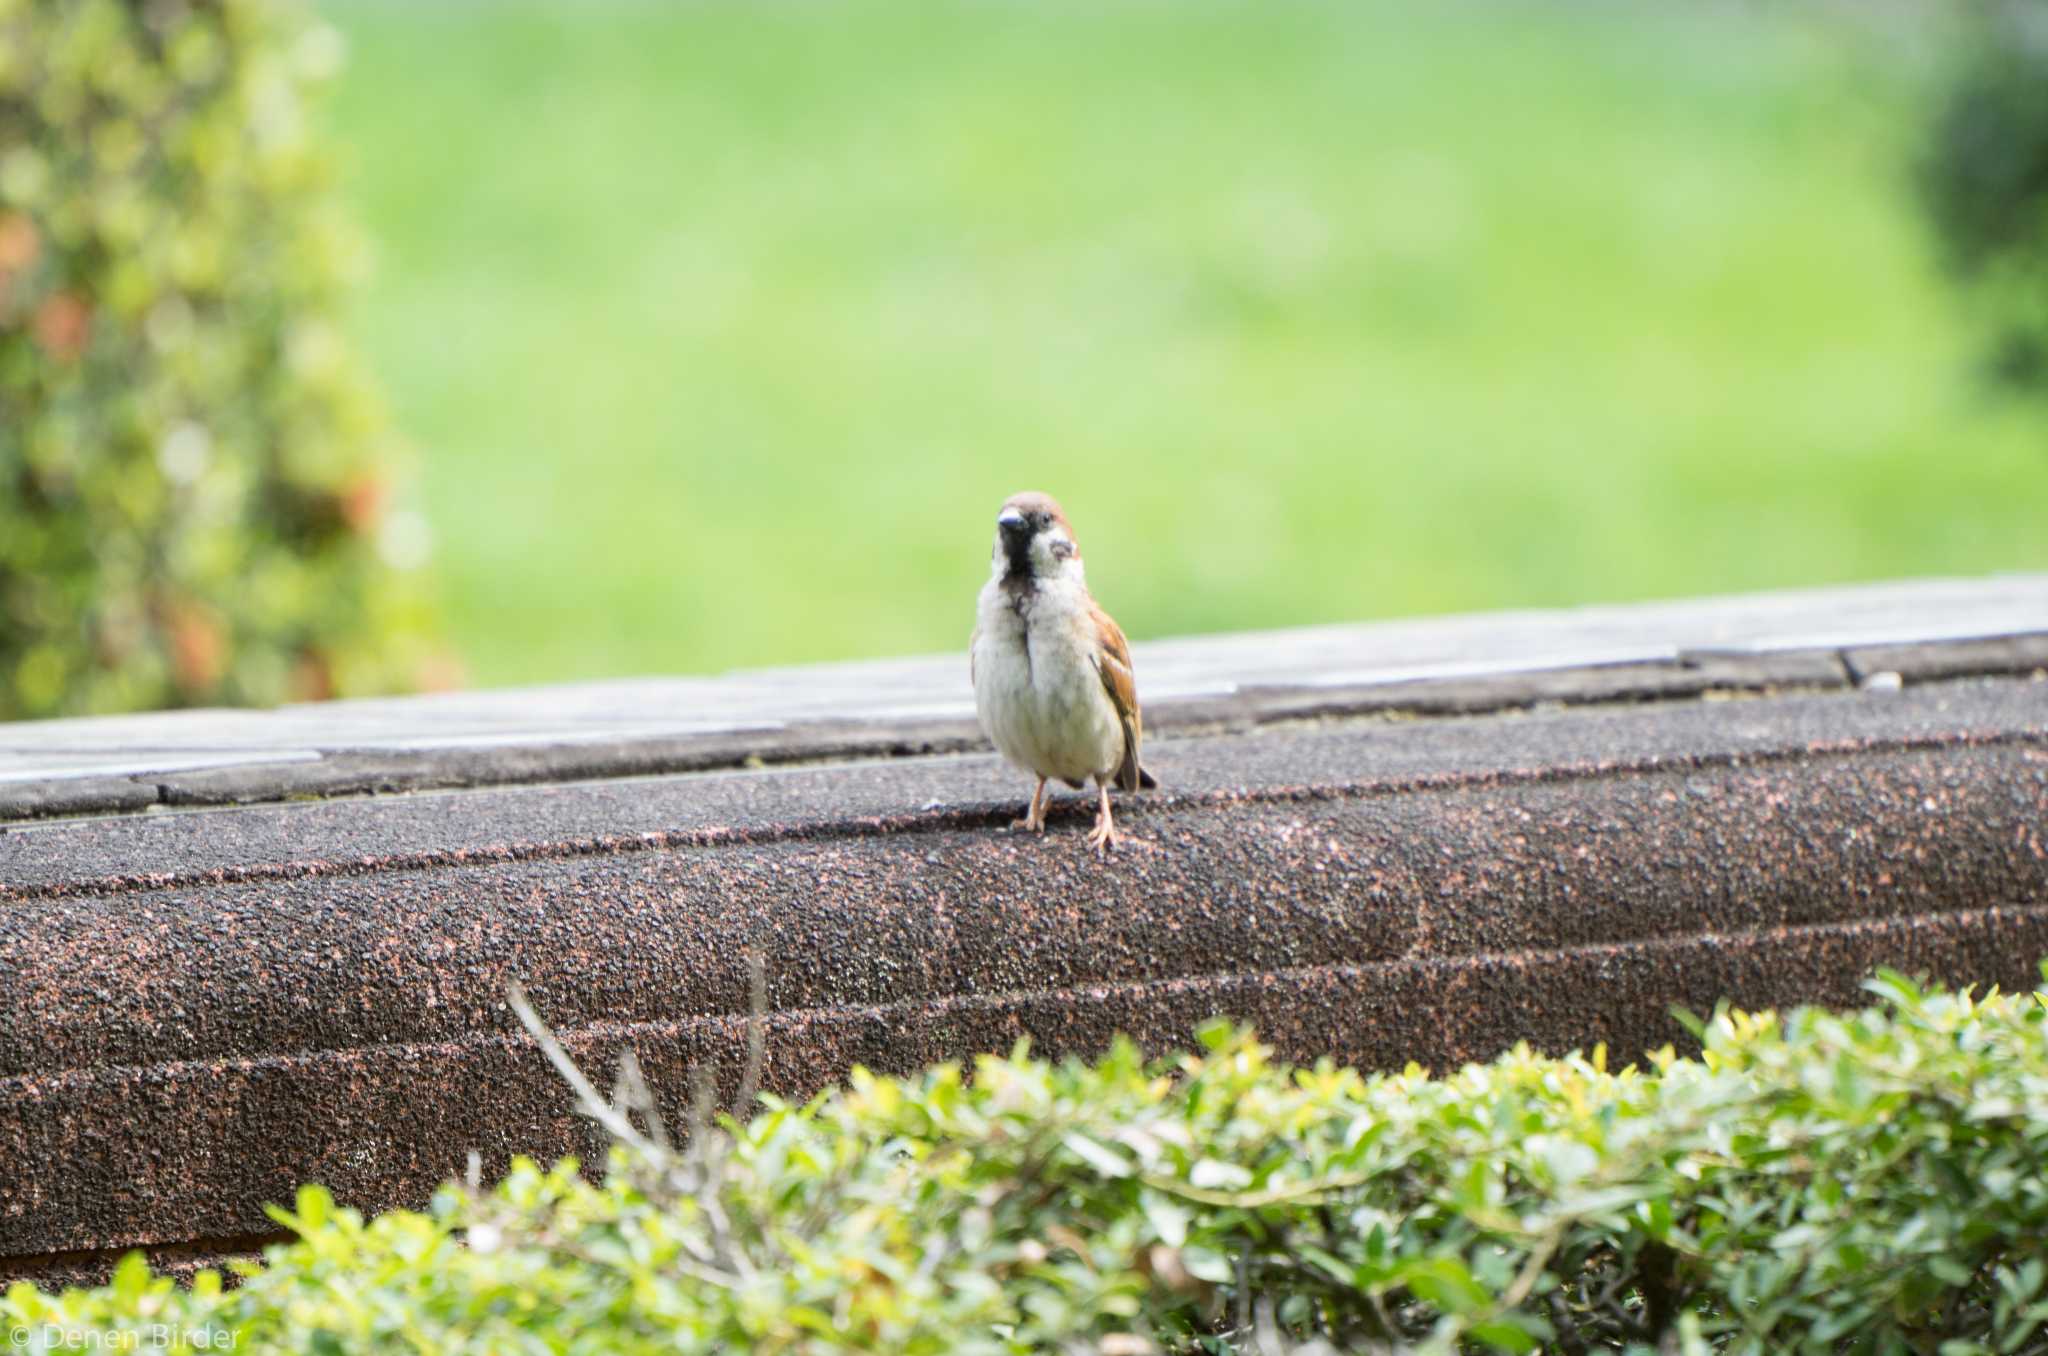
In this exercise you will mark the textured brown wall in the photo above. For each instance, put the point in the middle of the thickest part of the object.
(200, 1011)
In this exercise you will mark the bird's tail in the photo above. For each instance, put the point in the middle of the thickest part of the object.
(1130, 775)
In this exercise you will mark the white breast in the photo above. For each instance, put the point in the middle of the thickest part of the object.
(1036, 687)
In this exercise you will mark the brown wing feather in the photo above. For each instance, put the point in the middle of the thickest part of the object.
(1113, 663)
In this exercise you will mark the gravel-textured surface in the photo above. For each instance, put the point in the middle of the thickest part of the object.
(1361, 758)
(200, 1010)
(1812, 638)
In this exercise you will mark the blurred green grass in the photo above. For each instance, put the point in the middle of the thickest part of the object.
(723, 328)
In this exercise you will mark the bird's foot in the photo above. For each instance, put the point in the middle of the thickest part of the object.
(1034, 817)
(1104, 835)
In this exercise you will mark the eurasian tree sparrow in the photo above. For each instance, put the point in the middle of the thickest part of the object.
(1052, 673)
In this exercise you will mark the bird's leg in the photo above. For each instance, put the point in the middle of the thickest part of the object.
(1105, 828)
(1034, 822)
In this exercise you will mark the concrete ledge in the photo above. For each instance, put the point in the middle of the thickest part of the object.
(204, 1008)
(1931, 661)
(1820, 639)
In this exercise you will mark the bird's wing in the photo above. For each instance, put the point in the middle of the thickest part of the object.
(1113, 663)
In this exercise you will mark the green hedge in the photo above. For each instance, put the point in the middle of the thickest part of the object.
(1813, 1183)
(194, 476)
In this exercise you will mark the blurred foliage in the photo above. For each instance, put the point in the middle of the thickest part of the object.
(1812, 1183)
(195, 479)
(1984, 174)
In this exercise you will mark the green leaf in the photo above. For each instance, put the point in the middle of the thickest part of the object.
(1568, 1159)
(1334, 1267)
(1502, 1335)
(1208, 1265)
(315, 1208)
(1215, 1175)
(1446, 1283)
(1168, 1218)
(1100, 1157)
(1949, 1269)
(131, 1278)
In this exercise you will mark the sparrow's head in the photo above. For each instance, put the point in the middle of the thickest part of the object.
(1034, 539)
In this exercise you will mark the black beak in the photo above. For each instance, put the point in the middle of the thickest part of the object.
(1014, 530)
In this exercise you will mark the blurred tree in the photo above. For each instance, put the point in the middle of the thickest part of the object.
(195, 478)
(1984, 175)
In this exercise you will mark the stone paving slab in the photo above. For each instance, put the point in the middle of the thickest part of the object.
(922, 705)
